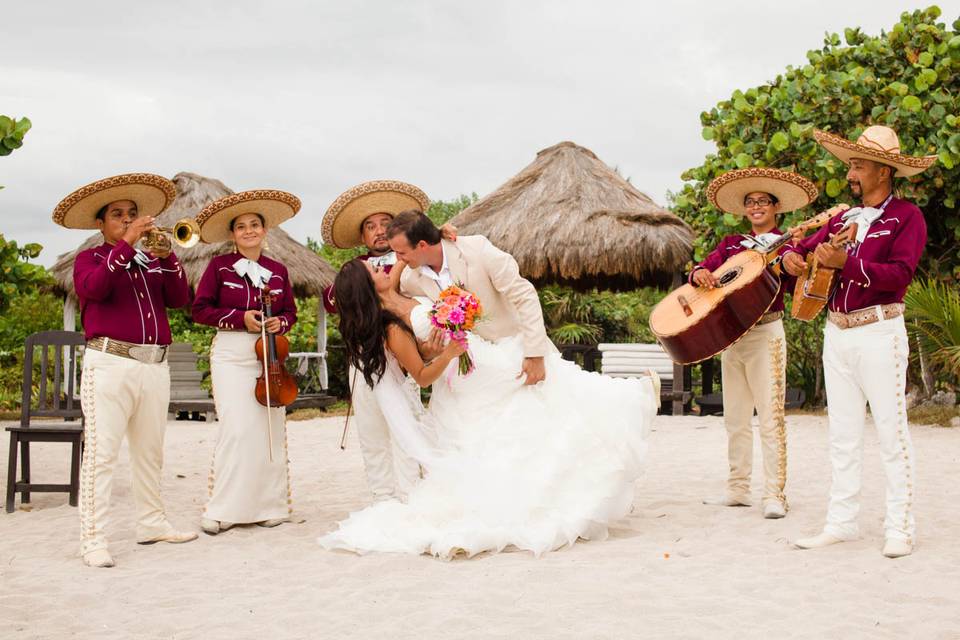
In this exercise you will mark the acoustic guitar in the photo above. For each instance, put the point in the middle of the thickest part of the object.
(695, 323)
(817, 282)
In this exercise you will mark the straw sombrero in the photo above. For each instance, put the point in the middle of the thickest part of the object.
(152, 194)
(877, 143)
(342, 221)
(275, 207)
(728, 190)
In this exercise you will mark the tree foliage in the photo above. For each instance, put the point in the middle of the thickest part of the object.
(907, 78)
(11, 133)
(17, 273)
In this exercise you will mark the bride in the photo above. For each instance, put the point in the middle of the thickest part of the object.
(533, 467)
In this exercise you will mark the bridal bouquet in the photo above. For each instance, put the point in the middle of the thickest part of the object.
(455, 312)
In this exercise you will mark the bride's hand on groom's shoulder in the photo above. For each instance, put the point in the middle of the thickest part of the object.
(448, 232)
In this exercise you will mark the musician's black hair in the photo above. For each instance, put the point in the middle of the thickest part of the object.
(263, 222)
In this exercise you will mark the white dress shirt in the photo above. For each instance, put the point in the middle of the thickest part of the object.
(444, 278)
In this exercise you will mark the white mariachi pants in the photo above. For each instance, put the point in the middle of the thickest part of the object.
(861, 365)
(390, 472)
(753, 371)
(121, 397)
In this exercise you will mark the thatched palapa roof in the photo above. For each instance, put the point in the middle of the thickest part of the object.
(309, 273)
(571, 219)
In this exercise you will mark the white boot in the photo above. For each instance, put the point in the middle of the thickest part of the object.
(727, 501)
(896, 548)
(816, 542)
(98, 558)
(774, 509)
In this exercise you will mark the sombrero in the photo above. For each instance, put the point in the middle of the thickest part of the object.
(342, 221)
(878, 143)
(152, 194)
(275, 207)
(728, 190)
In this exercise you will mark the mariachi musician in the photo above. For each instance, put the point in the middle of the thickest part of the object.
(865, 343)
(249, 478)
(360, 216)
(753, 368)
(125, 390)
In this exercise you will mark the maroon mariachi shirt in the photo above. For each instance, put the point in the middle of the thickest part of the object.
(223, 295)
(729, 247)
(329, 303)
(124, 298)
(879, 269)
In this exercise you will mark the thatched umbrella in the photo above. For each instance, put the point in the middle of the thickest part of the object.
(569, 218)
(309, 273)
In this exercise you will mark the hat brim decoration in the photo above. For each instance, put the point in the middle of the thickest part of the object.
(792, 191)
(151, 193)
(275, 207)
(845, 151)
(343, 219)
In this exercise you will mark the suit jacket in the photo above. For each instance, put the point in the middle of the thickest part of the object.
(510, 303)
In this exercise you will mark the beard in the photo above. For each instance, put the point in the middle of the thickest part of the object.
(855, 188)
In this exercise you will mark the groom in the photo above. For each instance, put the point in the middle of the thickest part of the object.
(510, 303)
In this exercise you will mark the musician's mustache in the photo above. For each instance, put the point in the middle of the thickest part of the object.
(853, 183)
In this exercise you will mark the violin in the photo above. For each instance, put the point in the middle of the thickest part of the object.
(275, 382)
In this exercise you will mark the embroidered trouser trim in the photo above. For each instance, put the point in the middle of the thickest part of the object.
(753, 375)
(864, 365)
(122, 397)
(390, 472)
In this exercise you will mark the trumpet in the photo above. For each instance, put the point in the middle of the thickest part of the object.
(186, 233)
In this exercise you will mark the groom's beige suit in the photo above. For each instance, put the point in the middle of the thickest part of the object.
(510, 303)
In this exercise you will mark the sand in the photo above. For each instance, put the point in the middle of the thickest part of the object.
(673, 569)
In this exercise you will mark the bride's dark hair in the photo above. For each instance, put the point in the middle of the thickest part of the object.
(363, 320)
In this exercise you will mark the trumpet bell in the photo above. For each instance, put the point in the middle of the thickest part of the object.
(186, 232)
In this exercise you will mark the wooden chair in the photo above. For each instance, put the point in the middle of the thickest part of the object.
(59, 403)
(633, 360)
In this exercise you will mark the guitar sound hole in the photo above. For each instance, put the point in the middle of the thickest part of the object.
(729, 276)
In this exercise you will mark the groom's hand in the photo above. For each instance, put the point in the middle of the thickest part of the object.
(534, 369)
(432, 346)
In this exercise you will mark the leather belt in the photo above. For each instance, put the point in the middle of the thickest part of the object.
(866, 316)
(767, 318)
(148, 353)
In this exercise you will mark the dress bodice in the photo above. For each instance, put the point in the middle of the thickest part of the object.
(420, 318)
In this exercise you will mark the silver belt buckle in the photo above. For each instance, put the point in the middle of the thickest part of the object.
(147, 353)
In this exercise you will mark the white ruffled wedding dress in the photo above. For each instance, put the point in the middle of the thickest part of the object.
(535, 467)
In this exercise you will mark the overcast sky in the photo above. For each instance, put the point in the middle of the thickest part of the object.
(315, 96)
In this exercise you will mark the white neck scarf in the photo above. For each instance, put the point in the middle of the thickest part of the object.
(759, 242)
(386, 260)
(864, 217)
(257, 275)
(141, 259)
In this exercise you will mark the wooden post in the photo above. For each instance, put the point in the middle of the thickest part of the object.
(322, 342)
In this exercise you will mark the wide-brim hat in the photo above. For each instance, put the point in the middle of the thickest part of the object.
(878, 143)
(342, 221)
(275, 207)
(151, 193)
(728, 190)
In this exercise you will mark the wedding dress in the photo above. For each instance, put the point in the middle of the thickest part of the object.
(535, 467)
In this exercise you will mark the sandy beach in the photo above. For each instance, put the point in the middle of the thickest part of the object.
(673, 569)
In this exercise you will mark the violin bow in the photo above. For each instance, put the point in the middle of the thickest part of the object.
(266, 377)
(346, 420)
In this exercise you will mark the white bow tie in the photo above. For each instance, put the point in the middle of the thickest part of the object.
(385, 260)
(761, 241)
(257, 275)
(864, 217)
(140, 258)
